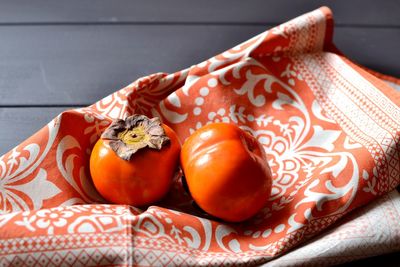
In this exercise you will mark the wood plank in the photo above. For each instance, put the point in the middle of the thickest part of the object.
(364, 12)
(17, 124)
(376, 49)
(81, 64)
(78, 65)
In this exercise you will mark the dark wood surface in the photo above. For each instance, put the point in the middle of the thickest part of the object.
(56, 55)
(347, 12)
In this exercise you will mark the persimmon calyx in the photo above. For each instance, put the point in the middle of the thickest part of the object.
(135, 132)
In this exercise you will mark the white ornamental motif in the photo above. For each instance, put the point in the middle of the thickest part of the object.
(17, 190)
(293, 149)
(51, 218)
(66, 167)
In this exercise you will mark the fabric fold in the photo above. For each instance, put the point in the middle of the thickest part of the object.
(329, 128)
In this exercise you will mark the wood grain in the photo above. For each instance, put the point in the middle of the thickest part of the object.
(78, 65)
(352, 12)
(17, 124)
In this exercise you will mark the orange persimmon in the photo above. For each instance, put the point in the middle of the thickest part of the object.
(134, 161)
(226, 171)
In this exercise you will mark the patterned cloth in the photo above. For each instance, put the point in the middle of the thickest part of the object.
(330, 130)
(369, 231)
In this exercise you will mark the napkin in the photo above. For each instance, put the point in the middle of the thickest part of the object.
(329, 127)
(370, 231)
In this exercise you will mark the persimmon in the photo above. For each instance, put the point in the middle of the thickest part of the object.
(226, 171)
(134, 161)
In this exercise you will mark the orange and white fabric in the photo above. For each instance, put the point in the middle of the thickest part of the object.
(330, 130)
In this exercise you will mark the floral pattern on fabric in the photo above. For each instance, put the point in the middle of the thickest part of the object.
(331, 137)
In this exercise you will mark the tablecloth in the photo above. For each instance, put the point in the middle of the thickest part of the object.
(329, 127)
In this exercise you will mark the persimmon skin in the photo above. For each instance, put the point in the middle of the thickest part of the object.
(226, 171)
(142, 180)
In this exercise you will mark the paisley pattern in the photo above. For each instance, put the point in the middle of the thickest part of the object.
(330, 131)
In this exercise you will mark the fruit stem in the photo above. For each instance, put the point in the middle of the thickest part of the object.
(136, 132)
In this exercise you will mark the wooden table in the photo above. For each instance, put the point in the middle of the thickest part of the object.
(57, 55)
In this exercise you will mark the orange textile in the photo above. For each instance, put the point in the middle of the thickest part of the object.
(330, 130)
